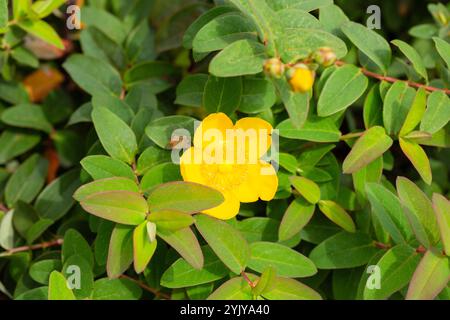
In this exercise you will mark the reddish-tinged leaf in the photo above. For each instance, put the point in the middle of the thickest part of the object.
(371, 145)
(431, 276)
(418, 158)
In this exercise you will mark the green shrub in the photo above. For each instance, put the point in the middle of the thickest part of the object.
(353, 203)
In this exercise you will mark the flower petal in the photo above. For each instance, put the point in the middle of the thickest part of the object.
(267, 182)
(190, 170)
(211, 129)
(257, 135)
(259, 182)
(227, 210)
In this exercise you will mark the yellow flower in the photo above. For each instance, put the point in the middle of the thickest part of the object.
(302, 79)
(227, 157)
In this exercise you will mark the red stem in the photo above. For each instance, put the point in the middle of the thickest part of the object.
(146, 288)
(246, 278)
(392, 80)
(43, 245)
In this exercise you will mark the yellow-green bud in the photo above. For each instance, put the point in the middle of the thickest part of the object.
(274, 67)
(325, 56)
(301, 78)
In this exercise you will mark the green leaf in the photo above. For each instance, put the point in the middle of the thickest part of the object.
(343, 250)
(123, 207)
(315, 129)
(415, 153)
(370, 43)
(229, 245)
(371, 145)
(40, 293)
(75, 266)
(27, 181)
(442, 210)
(44, 8)
(286, 261)
(109, 24)
(412, 56)
(58, 289)
(305, 5)
(201, 21)
(389, 212)
(40, 270)
(120, 253)
(222, 95)
(346, 85)
(296, 103)
(24, 57)
(190, 90)
(258, 95)
(430, 277)
(370, 173)
(396, 269)
(7, 238)
(93, 75)
(304, 41)
(337, 214)
(15, 143)
(437, 114)
(171, 219)
(116, 289)
(424, 31)
(148, 71)
(288, 161)
(115, 135)
(104, 185)
(416, 112)
(290, 289)
(114, 104)
(143, 248)
(56, 199)
(3, 13)
(75, 244)
(102, 167)
(222, 31)
(181, 274)
(443, 48)
(151, 157)
(234, 289)
(37, 229)
(186, 197)
(258, 229)
(265, 282)
(161, 130)
(297, 215)
(159, 174)
(42, 30)
(26, 116)
(307, 188)
(186, 244)
(419, 211)
(397, 104)
(243, 57)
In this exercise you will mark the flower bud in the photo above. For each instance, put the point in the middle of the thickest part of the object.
(325, 56)
(274, 67)
(301, 78)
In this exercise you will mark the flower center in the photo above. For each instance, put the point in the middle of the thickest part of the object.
(224, 176)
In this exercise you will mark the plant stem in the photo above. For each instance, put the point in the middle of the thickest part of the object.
(246, 278)
(3, 208)
(392, 80)
(147, 288)
(43, 245)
